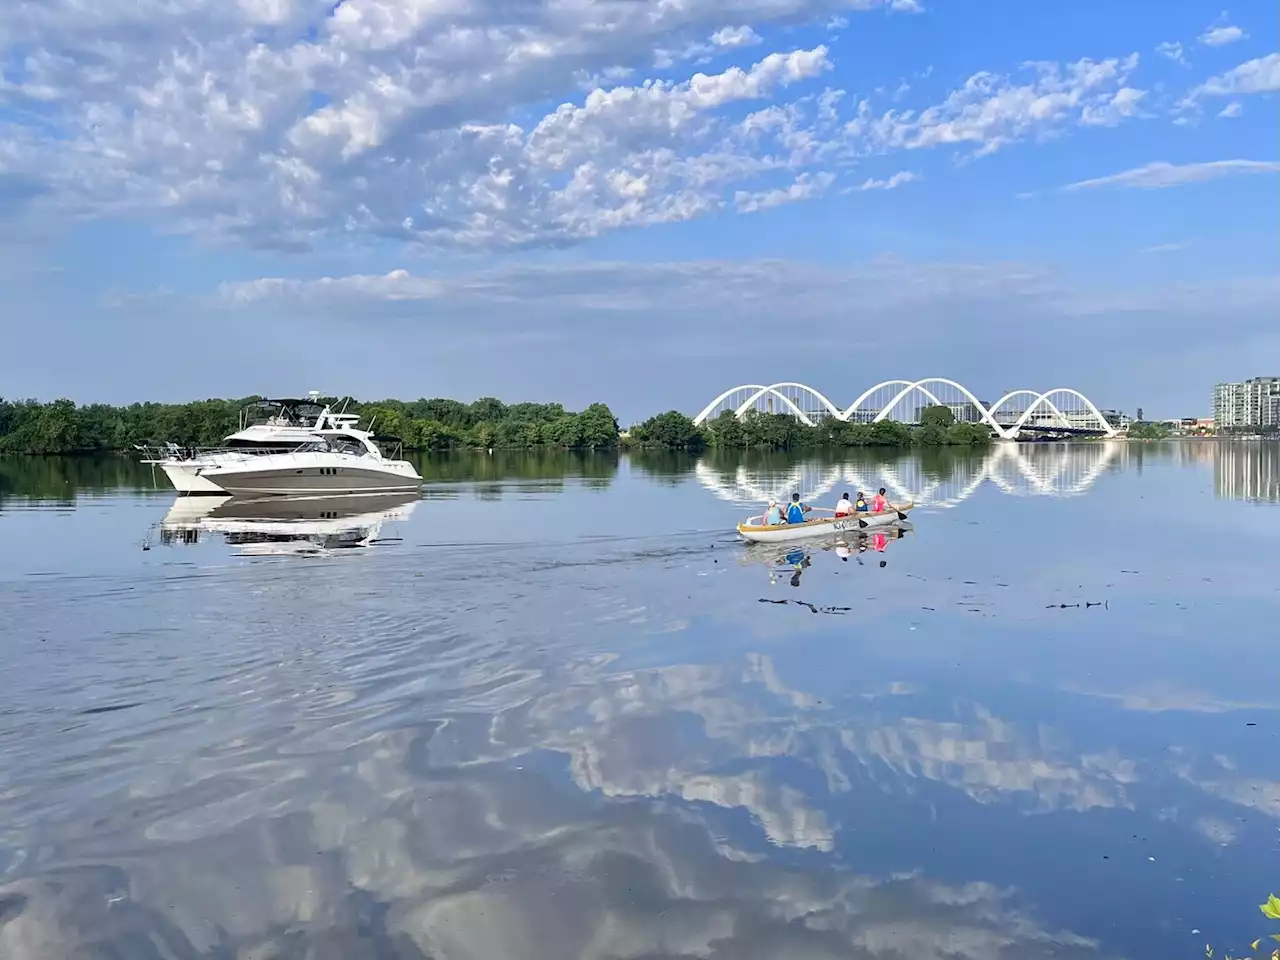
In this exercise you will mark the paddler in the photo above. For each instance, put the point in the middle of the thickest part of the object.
(860, 505)
(881, 503)
(844, 506)
(773, 515)
(796, 510)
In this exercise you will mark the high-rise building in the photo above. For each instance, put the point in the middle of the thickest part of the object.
(1252, 404)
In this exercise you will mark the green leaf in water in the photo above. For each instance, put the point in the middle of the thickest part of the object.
(1271, 908)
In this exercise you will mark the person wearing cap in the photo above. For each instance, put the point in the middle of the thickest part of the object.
(773, 516)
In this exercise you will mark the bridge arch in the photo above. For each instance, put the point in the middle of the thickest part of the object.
(928, 387)
(706, 411)
(853, 407)
(1036, 399)
(776, 388)
(1107, 428)
(984, 415)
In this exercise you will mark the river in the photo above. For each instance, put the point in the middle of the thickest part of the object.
(553, 710)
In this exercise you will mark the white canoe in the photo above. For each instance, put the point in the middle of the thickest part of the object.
(782, 532)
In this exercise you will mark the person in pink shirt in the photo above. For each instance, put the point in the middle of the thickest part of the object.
(881, 503)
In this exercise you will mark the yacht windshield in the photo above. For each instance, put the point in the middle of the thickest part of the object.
(346, 445)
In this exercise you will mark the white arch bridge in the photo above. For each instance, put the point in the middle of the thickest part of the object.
(1061, 409)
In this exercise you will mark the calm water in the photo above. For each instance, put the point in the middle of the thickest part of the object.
(552, 710)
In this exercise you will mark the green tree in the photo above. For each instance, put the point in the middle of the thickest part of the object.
(599, 427)
(668, 431)
(937, 416)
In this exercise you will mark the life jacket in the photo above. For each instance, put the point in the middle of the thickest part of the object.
(795, 513)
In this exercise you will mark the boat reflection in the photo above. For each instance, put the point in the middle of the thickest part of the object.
(286, 526)
(790, 562)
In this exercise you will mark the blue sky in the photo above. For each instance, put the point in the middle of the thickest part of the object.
(638, 201)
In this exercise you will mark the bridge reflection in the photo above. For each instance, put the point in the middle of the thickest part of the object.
(1020, 470)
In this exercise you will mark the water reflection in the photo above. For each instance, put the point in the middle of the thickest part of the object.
(939, 478)
(929, 478)
(1246, 471)
(590, 744)
(284, 526)
(786, 564)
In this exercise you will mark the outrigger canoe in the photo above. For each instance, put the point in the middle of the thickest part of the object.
(755, 532)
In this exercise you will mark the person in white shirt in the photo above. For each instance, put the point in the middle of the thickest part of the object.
(844, 507)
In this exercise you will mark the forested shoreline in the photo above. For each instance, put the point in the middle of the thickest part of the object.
(780, 431)
(60, 427)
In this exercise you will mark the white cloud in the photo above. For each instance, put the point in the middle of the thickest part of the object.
(698, 286)
(1122, 105)
(1162, 174)
(805, 187)
(1172, 50)
(1260, 75)
(284, 123)
(1221, 36)
(897, 180)
(992, 111)
(1165, 248)
(1232, 109)
(731, 37)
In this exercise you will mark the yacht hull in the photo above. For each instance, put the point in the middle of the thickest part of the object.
(187, 481)
(312, 482)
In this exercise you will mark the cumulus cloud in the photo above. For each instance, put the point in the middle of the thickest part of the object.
(805, 187)
(1260, 75)
(1172, 50)
(1222, 35)
(730, 37)
(1161, 174)
(992, 111)
(1232, 109)
(283, 123)
(889, 183)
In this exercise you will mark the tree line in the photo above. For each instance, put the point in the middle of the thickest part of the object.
(62, 427)
(780, 431)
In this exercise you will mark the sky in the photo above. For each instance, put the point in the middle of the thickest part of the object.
(641, 202)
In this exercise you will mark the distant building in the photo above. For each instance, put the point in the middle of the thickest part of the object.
(964, 412)
(1253, 404)
(1117, 419)
(1189, 426)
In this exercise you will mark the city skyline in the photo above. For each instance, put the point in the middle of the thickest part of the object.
(635, 201)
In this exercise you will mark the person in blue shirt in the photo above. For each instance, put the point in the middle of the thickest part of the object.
(860, 505)
(796, 510)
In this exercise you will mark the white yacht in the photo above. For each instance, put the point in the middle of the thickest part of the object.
(266, 427)
(338, 461)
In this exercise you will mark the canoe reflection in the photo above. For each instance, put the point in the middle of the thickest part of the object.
(789, 564)
(285, 526)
